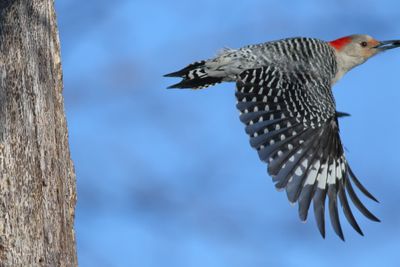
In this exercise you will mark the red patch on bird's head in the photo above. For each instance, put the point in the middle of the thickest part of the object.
(340, 43)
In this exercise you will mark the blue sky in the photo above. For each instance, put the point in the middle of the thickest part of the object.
(167, 177)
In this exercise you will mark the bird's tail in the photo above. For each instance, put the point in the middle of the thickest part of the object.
(195, 76)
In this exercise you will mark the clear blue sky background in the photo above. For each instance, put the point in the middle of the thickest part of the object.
(167, 177)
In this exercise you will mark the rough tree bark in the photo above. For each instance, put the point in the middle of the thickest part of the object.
(37, 180)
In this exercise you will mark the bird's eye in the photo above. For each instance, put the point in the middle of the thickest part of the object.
(364, 44)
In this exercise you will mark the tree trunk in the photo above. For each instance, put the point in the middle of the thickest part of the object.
(37, 180)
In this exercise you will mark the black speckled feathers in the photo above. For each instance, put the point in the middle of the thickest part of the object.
(300, 143)
(285, 100)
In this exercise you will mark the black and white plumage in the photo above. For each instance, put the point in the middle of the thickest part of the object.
(300, 143)
(285, 101)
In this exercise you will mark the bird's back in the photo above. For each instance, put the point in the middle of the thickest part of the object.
(296, 55)
(298, 58)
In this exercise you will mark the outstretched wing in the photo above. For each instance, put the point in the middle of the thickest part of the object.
(292, 122)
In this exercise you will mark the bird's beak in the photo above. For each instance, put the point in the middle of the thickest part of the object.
(385, 45)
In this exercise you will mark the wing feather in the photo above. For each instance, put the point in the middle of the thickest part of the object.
(297, 135)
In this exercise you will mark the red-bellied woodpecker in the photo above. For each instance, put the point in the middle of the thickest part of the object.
(284, 95)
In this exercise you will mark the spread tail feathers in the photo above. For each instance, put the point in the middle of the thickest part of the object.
(194, 76)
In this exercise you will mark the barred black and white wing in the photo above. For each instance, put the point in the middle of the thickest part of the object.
(292, 122)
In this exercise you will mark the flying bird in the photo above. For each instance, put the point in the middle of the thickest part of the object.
(284, 95)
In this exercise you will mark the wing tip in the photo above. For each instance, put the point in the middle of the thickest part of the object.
(376, 219)
(342, 237)
(340, 114)
(322, 232)
(357, 202)
(360, 185)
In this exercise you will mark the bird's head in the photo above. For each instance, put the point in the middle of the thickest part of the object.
(355, 49)
(362, 46)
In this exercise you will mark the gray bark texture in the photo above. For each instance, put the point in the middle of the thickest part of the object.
(37, 180)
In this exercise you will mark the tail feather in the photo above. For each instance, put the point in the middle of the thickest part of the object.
(183, 72)
(194, 76)
(197, 83)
